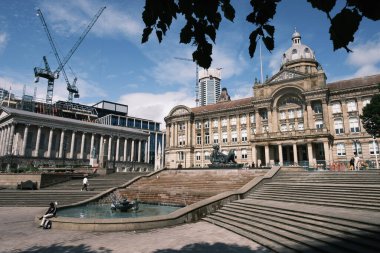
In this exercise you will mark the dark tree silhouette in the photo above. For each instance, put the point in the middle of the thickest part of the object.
(371, 116)
(203, 18)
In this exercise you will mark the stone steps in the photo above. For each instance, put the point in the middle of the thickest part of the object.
(299, 228)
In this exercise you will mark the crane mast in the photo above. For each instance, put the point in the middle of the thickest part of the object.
(196, 79)
(50, 75)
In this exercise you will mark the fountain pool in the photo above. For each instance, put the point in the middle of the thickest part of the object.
(103, 211)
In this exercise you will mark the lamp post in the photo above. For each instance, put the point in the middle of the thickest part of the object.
(356, 147)
(375, 151)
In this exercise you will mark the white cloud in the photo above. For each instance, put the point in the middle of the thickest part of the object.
(155, 106)
(275, 60)
(72, 17)
(366, 58)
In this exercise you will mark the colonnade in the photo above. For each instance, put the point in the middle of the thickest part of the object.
(27, 140)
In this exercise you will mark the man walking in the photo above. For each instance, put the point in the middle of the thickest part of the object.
(85, 183)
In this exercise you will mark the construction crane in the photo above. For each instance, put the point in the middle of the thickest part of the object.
(52, 75)
(196, 79)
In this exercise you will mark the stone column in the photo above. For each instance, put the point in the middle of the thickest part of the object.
(2, 131)
(168, 136)
(109, 148)
(310, 116)
(146, 151)
(310, 153)
(155, 146)
(125, 149)
(139, 151)
(258, 122)
(61, 143)
(92, 146)
(11, 137)
(280, 158)
(327, 151)
(117, 148)
(267, 159)
(72, 145)
(270, 125)
(25, 139)
(133, 150)
(101, 150)
(48, 154)
(254, 155)
(326, 116)
(295, 154)
(37, 148)
(275, 120)
(82, 145)
(7, 138)
(346, 123)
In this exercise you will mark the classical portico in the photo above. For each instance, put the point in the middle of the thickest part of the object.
(50, 139)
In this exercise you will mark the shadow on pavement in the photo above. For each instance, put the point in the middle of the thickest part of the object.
(56, 248)
(214, 248)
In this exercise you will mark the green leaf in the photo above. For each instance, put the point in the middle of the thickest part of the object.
(343, 27)
(159, 35)
(186, 34)
(228, 10)
(269, 29)
(147, 31)
(323, 5)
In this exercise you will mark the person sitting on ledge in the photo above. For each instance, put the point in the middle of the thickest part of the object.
(49, 213)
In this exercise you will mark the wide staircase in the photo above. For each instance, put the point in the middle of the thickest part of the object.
(65, 193)
(309, 212)
(185, 187)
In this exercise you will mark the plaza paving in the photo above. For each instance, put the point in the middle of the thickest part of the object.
(19, 233)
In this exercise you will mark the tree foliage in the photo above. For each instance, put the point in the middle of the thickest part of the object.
(203, 18)
(371, 116)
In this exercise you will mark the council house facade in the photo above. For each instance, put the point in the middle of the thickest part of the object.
(293, 118)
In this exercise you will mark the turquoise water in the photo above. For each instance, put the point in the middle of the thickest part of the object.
(103, 211)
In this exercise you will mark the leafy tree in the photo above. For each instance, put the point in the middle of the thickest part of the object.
(371, 116)
(203, 18)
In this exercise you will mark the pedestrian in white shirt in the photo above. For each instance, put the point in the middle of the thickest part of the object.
(85, 183)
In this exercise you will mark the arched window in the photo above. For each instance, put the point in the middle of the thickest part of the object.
(338, 125)
(198, 156)
(354, 125)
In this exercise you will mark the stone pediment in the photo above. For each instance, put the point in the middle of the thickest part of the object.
(285, 75)
(3, 114)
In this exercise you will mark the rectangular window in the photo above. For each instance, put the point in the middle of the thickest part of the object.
(317, 107)
(291, 114)
(224, 136)
(207, 124)
(264, 114)
(207, 155)
(181, 126)
(243, 119)
(207, 138)
(338, 125)
(216, 138)
(198, 125)
(244, 154)
(373, 148)
(224, 122)
(300, 126)
(234, 136)
(318, 124)
(351, 106)
(291, 127)
(253, 130)
(284, 128)
(198, 156)
(215, 123)
(181, 140)
(181, 156)
(265, 129)
(282, 115)
(199, 139)
(354, 125)
(340, 149)
(336, 108)
(366, 101)
(299, 113)
(244, 137)
(233, 121)
(252, 118)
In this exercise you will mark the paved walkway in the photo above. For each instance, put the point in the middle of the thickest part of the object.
(19, 233)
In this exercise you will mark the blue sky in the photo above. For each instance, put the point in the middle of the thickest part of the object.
(112, 64)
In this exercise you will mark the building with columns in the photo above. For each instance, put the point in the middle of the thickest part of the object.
(71, 134)
(293, 118)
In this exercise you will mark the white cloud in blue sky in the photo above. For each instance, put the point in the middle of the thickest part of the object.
(112, 64)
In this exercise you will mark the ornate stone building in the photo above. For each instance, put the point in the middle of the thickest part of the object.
(294, 117)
